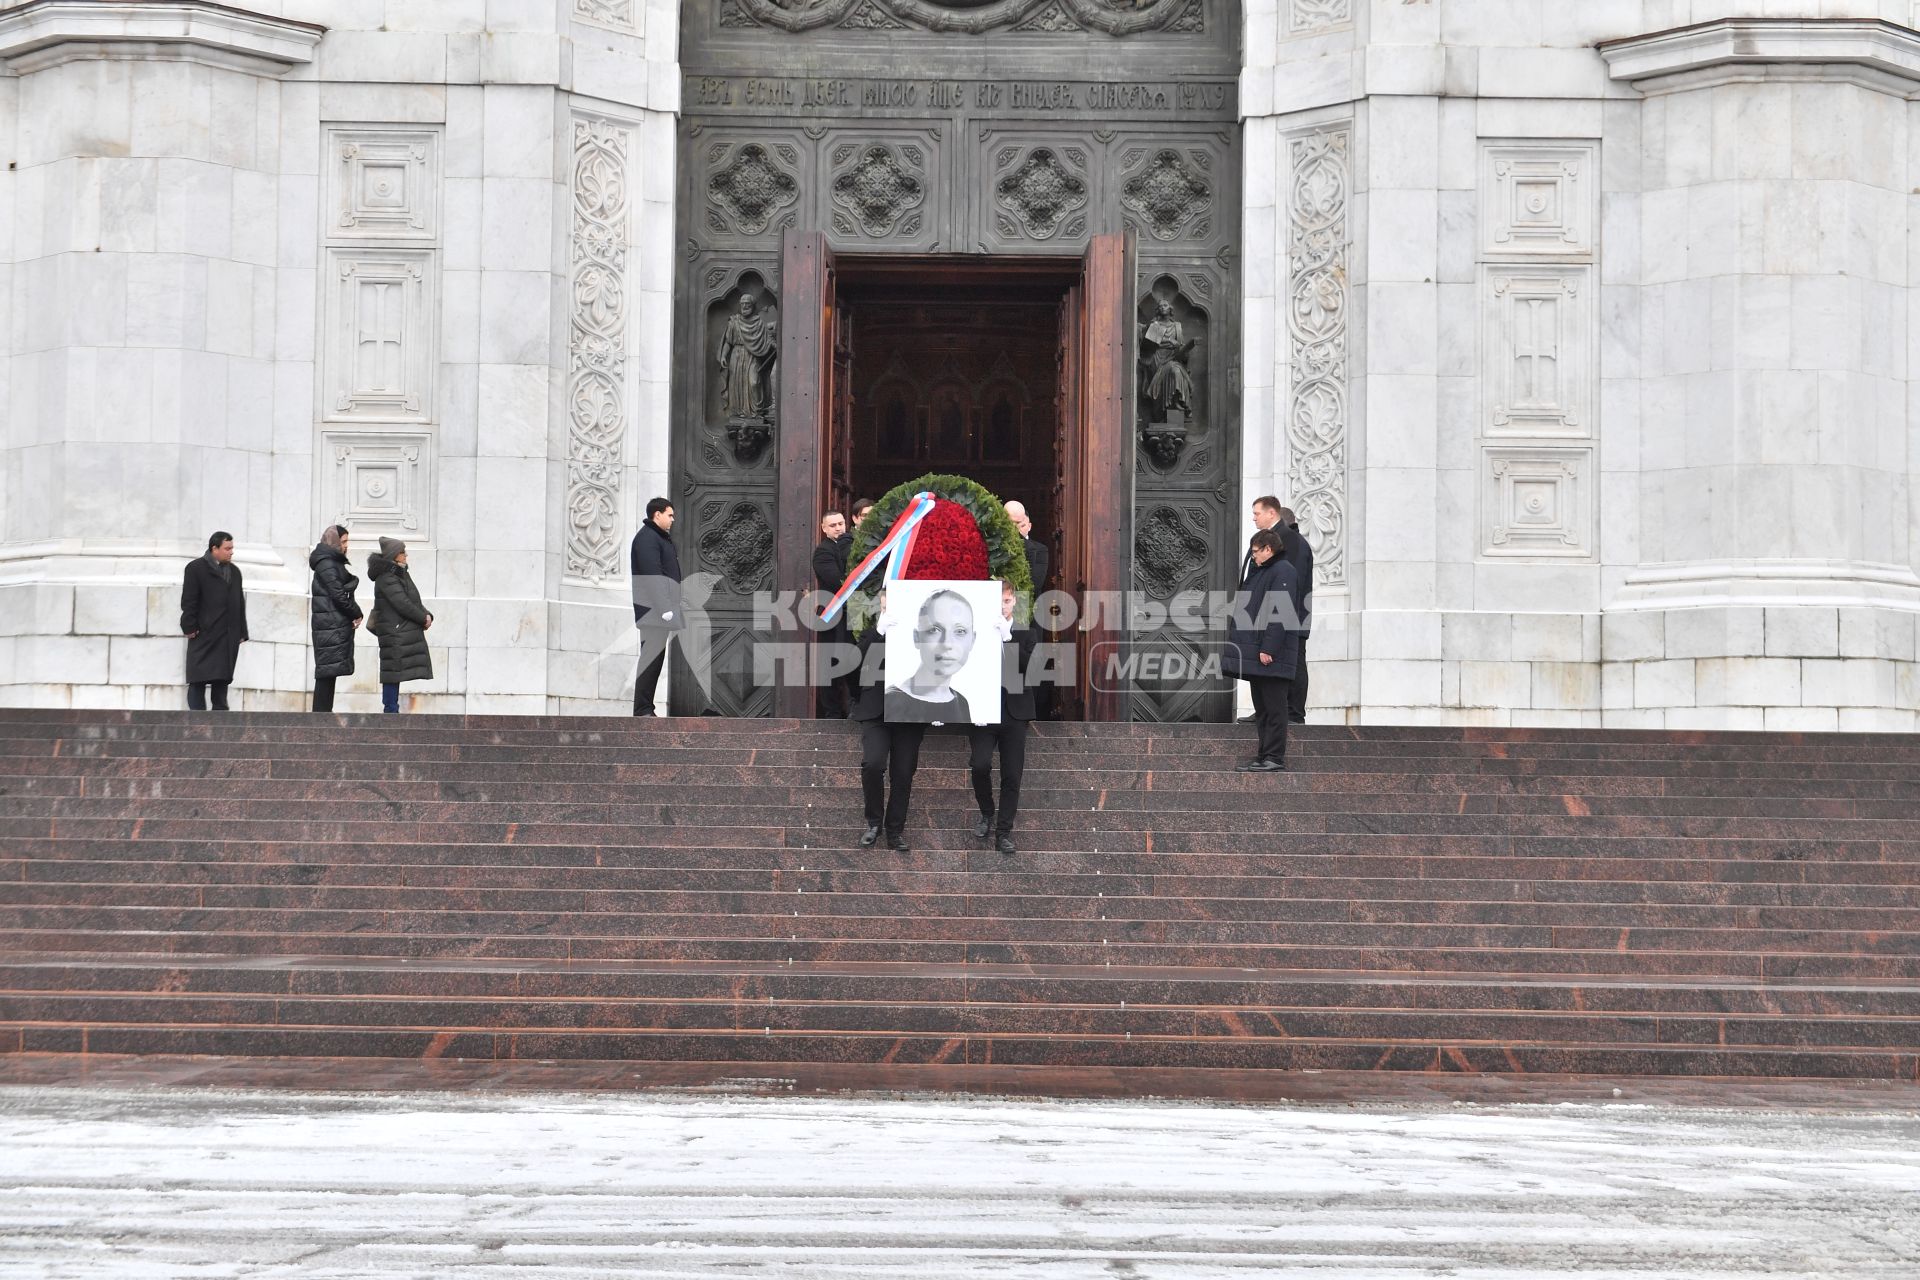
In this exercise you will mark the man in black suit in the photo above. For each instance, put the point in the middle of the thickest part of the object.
(655, 566)
(1039, 564)
(830, 570)
(1009, 736)
(1299, 553)
(889, 753)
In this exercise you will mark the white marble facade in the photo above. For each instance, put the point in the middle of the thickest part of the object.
(1580, 331)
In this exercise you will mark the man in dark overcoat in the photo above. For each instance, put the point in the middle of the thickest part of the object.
(213, 617)
(1260, 646)
(1298, 552)
(655, 565)
(830, 570)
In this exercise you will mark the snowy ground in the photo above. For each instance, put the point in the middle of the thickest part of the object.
(98, 1182)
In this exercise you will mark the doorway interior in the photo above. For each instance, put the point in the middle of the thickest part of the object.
(954, 371)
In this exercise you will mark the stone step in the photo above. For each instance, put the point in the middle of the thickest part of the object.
(1270, 1053)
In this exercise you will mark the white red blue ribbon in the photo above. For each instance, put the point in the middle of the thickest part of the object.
(896, 547)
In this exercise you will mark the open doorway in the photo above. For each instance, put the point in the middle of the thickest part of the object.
(1014, 371)
(960, 376)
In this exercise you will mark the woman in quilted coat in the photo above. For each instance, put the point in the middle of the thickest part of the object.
(400, 622)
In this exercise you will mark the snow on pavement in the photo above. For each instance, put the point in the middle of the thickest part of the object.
(148, 1183)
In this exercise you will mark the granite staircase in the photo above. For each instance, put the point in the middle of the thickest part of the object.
(691, 892)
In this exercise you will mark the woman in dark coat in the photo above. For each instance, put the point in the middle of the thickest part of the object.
(335, 614)
(399, 622)
(213, 617)
(1262, 641)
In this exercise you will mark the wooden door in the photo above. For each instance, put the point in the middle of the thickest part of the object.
(1070, 535)
(807, 343)
(1106, 451)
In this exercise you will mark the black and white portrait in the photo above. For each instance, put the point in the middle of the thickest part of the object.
(943, 652)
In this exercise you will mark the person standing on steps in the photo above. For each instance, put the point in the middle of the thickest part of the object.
(655, 565)
(1040, 565)
(1009, 736)
(1260, 646)
(213, 617)
(829, 571)
(889, 753)
(1298, 552)
(399, 622)
(335, 614)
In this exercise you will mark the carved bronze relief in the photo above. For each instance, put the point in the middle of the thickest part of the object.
(751, 186)
(1166, 192)
(878, 189)
(970, 17)
(1040, 191)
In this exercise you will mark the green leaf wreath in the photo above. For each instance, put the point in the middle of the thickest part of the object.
(1006, 554)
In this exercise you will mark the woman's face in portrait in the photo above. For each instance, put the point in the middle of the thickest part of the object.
(944, 636)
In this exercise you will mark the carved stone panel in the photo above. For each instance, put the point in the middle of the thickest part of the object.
(1538, 340)
(1537, 501)
(1318, 334)
(381, 353)
(1167, 191)
(1040, 191)
(383, 183)
(1315, 17)
(599, 314)
(751, 189)
(378, 483)
(1539, 198)
(879, 188)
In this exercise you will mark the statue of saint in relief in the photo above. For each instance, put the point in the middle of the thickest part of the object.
(748, 350)
(1164, 365)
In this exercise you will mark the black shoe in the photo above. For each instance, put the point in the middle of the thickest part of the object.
(1244, 720)
(867, 840)
(984, 827)
(1296, 719)
(1265, 766)
(1005, 845)
(1247, 766)
(898, 843)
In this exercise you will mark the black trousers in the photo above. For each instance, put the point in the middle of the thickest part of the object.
(323, 693)
(1297, 690)
(197, 695)
(653, 658)
(889, 753)
(1270, 698)
(1011, 737)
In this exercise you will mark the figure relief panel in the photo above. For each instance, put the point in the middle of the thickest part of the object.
(739, 375)
(1173, 372)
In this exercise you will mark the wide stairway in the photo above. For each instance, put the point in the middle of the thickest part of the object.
(692, 892)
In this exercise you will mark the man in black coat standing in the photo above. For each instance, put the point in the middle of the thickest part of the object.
(1261, 641)
(213, 617)
(1009, 736)
(1039, 564)
(655, 565)
(1298, 552)
(830, 570)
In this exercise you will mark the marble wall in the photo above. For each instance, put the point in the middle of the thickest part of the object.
(1630, 433)
(1584, 351)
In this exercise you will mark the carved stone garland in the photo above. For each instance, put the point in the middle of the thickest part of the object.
(607, 13)
(967, 17)
(1317, 320)
(1305, 17)
(597, 348)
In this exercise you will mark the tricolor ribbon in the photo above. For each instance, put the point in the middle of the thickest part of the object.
(896, 547)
